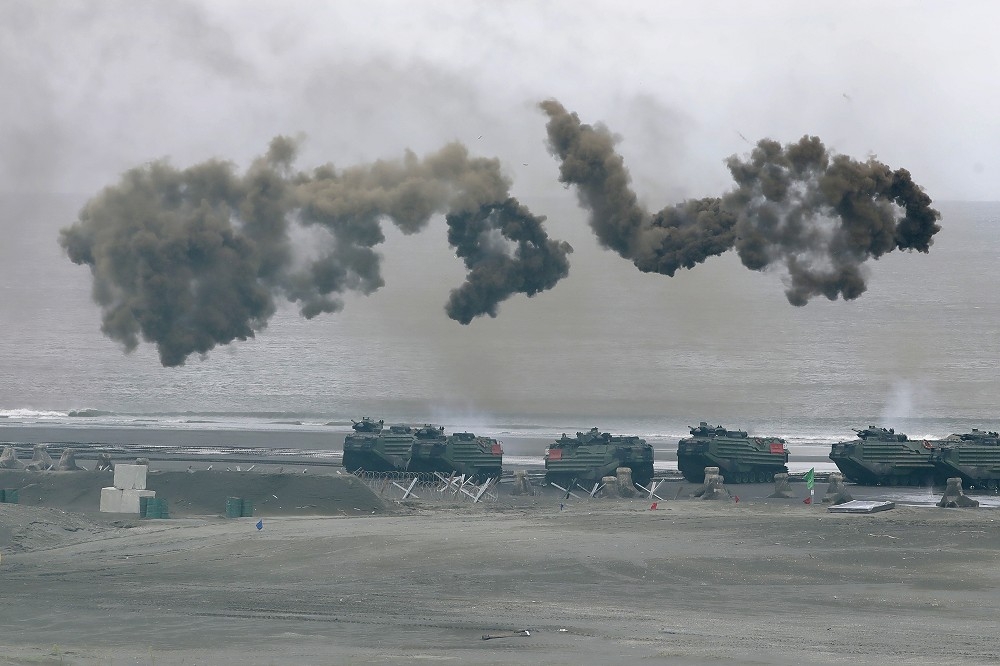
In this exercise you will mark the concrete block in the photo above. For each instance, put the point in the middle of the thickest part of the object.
(130, 499)
(111, 500)
(130, 477)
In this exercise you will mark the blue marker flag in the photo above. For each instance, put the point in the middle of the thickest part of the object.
(260, 524)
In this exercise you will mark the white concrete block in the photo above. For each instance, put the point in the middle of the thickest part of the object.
(130, 477)
(111, 500)
(130, 499)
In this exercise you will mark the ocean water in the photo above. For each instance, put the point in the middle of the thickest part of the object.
(607, 347)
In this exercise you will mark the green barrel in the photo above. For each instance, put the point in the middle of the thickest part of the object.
(144, 507)
(234, 507)
(161, 507)
(247, 511)
(3, 495)
(10, 495)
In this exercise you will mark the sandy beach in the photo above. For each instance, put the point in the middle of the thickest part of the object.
(340, 575)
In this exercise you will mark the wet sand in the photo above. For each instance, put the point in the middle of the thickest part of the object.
(191, 435)
(596, 581)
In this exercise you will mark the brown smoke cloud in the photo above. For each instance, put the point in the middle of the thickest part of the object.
(193, 258)
(189, 259)
(819, 215)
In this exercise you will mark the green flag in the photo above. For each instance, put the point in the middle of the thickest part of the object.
(811, 478)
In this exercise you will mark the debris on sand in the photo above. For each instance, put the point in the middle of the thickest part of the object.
(858, 506)
(507, 634)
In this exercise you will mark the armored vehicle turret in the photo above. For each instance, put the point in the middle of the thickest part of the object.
(592, 455)
(739, 457)
(367, 424)
(978, 436)
(880, 434)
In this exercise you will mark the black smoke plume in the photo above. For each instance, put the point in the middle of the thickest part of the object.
(193, 258)
(820, 215)
(481, 239)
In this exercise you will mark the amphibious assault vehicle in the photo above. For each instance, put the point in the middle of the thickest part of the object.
(973, 456)
(592, 455)
(740, 458)
(403, 448)
(374, 448)
(883, 457)
(462, 453)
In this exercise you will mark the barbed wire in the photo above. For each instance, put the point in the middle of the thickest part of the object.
(429, 487)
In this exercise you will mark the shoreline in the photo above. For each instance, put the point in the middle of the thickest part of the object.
(311, 441)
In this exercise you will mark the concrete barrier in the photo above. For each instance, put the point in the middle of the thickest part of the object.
(130, 477)
(954, 496)
(625, 486)
(713, 487)
(67, 461)
(836, 491)
(130, 499)
(522, 485)
(8, 460)
(111, 500)
(782, 488)
(40, 459)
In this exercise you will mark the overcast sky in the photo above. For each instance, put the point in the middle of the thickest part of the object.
(93, 88)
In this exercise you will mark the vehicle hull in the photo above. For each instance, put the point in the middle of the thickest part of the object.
(377, 452)
(978, 465)
(589, 457)
(739, 459)
(886, 463)
(886, 458)
(479, 458)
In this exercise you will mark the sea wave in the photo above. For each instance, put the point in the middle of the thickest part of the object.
(83, 413)
(32, 414)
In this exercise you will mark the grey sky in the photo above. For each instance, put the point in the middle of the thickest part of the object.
(93, 88)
